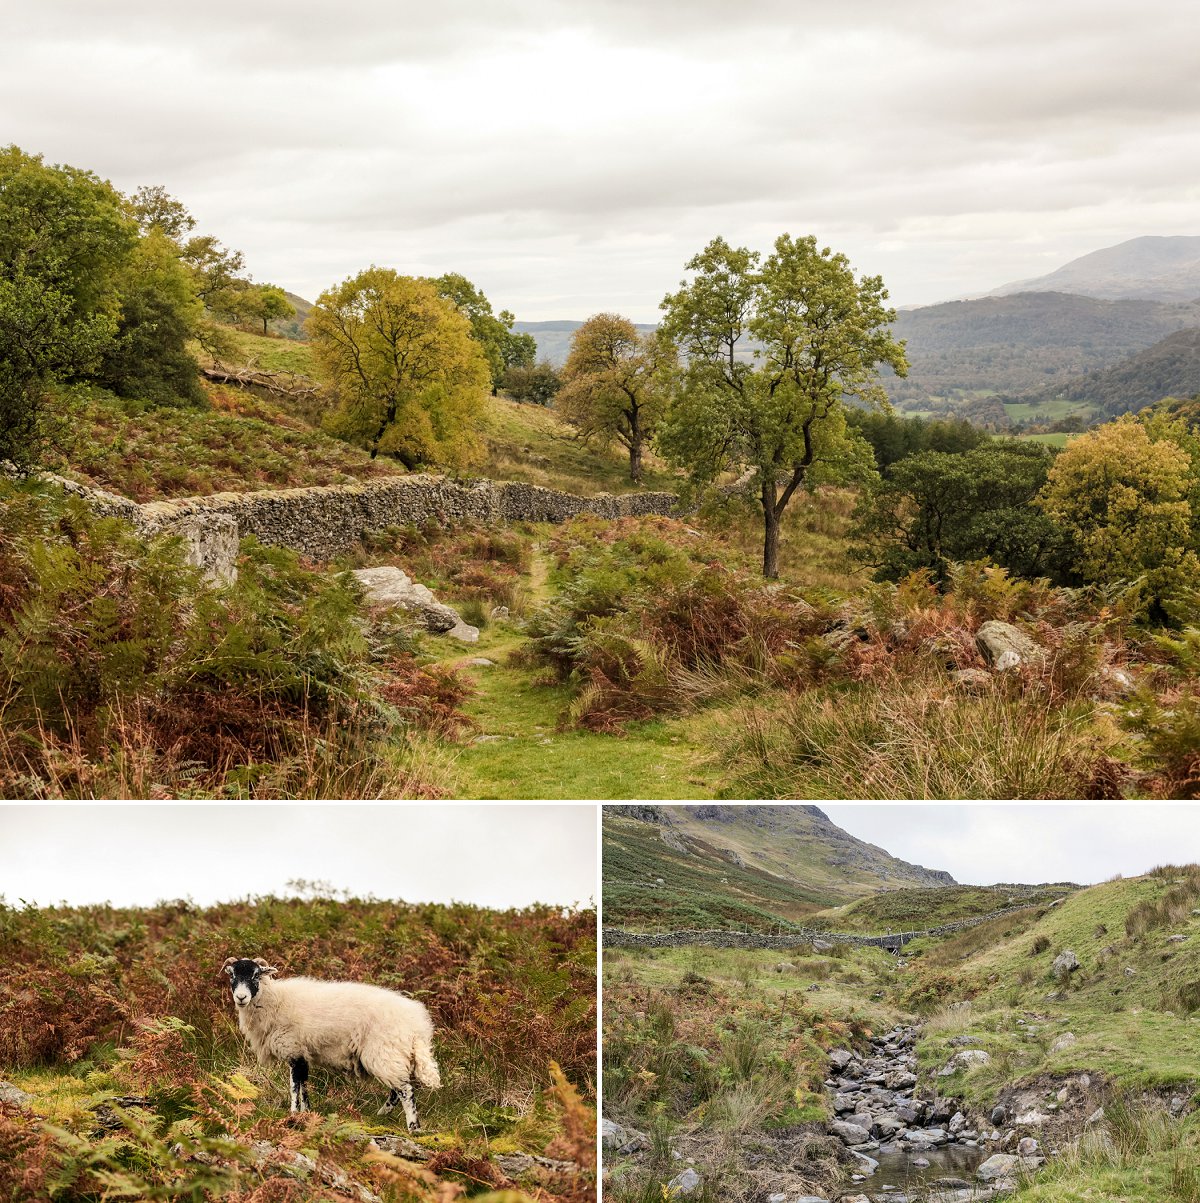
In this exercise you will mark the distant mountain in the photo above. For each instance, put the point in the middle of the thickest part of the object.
(749, 866)
(1151, 268)
(1169, 368)
(554, 338)
(1025, 344)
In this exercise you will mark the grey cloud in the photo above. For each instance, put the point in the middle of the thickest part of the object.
(542, 143)
(981, 844)
(500, 856)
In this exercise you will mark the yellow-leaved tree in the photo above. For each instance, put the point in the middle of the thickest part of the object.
(1122, 497)
(613, 386)
(409, 379)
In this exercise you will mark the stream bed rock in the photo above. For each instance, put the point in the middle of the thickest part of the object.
(905, 1140)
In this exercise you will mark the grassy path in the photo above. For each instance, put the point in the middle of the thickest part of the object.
(518, 750)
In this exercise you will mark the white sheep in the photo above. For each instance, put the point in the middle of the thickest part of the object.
(343, 1025)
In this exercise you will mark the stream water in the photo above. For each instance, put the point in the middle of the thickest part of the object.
(896, 1169)
(924, 1147)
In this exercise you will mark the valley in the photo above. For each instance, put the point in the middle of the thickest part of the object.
(1048, 1053)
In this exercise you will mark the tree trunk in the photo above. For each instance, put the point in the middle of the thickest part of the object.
(770, 530)
(635, 459)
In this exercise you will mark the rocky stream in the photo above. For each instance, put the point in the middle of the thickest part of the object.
(913, 1145)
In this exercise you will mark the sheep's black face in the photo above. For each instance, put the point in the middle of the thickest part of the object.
(243, 980)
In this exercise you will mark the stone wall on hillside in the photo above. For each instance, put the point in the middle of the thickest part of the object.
(616, 937)
(324, 521)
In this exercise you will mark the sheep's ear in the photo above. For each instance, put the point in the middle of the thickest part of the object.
(229, 963)
(264, 969)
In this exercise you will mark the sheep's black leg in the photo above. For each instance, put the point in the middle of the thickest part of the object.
(404, 1096)
(299, 1084)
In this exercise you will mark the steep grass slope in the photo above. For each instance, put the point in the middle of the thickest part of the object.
(734, 866)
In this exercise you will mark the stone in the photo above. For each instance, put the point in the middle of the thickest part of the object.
(1065, 963)
(839, 1058)
(998, 1165)
(1004, 646)
(1027, 1147)
(1176, 939)
(389, 586)
(14, 1096)
(1129, 971)
(618, 1139)
(1064, 1042)
(1030, 1119)
(480, 662)
(848, 1133)
(685, 1183)
(866, 1165)
(1096, 1117)
(822, 946)
(971, 680)
(210, 544)
(785, 967)
(958, 1122)
(964, 1060)
(999, 1114)
(498, 613)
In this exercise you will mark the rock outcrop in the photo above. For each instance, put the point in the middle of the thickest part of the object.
(388, 586)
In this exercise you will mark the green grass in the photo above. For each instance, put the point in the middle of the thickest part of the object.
(920, 908)
(1051, 440)
(1047, 411)
(533, 758)
(271, 354)
(532, 444)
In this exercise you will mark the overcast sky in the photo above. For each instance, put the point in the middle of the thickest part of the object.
(981, 844)
(497, 856)
(569, 156)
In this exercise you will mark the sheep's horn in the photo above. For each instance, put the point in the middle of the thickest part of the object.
(228, 961)
(266, 968)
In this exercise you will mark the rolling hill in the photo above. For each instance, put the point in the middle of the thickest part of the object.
(1152, 268)
(1022, 344)
(554, 338)
(1169, 368)
(738, 866)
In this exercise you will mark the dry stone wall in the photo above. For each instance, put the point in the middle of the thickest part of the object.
(323, 522)
(616, 937)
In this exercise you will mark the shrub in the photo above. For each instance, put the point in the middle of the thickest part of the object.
(649, 621)
(120, 667)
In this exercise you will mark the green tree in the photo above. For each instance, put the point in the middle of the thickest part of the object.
(265, 303)
(156, 209)
(493, 332)
(537, 383)
(936, 507)
(409, 378)
(64, 235)
(1123, 500)
(149, 357)
(772, 347)
(613, 384)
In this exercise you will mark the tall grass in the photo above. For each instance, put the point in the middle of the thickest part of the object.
(903, 740)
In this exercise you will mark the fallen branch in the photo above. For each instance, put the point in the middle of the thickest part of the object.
(281, 384)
